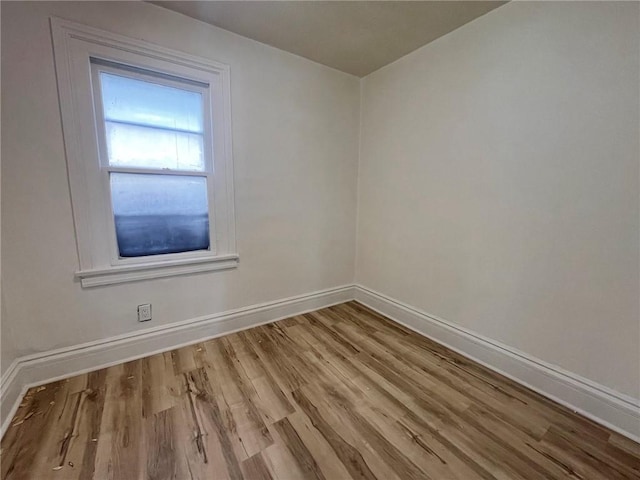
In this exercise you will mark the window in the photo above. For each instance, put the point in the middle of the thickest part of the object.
(152, 132)
(148, 139)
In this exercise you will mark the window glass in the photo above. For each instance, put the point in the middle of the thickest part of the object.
(159, 214)
(144, 147)
(149, 125)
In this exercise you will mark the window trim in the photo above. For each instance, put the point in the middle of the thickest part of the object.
(75, 46)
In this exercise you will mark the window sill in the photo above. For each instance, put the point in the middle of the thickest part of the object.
(146, 271)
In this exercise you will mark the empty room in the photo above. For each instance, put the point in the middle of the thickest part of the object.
(330, 240)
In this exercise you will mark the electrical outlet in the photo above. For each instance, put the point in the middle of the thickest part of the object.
(144, 312)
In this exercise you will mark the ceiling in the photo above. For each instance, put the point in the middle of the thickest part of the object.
(356, 37)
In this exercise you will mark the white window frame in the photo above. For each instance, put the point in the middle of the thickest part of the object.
(75, 46)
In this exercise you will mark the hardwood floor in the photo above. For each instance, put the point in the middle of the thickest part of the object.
(335, 394)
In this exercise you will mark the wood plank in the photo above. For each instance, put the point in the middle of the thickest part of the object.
(163, 461)
(389, 454)
(240, 396)
(121, 434)
(298, 449)
(24, 439)
(320, 449)
(160, 386)
(183, 360)
(206, 454)
(84, 441)
(254, 468)
(350, 457)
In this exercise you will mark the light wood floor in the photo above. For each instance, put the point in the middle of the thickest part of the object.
(335, 394)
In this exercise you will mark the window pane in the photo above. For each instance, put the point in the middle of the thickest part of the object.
(131, 100)
(158, 214)
(135, 146)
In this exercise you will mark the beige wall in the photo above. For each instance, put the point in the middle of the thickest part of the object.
(295, 128)
(498, 183)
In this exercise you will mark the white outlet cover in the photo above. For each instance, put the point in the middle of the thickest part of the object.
(144, 312)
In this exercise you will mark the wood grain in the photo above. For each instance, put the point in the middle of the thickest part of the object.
(334, 394)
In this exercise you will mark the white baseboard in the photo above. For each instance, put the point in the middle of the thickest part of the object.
(597, 402)
(603, 405)
(40, 368)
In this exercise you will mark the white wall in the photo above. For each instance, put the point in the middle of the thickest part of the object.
(498, 184)
(295, 128)
(7, 350)
(7, 354)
